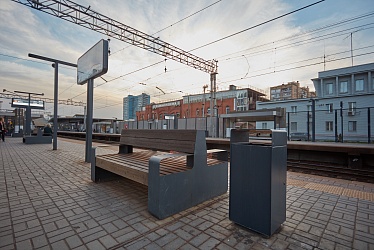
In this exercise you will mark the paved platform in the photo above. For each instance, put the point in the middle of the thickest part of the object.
(47, 201)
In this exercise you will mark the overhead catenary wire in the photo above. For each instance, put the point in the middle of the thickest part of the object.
(257, 25)
(307, 41)
(308, 32)
(169, 26)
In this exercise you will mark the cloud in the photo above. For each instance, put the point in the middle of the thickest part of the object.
(253, 58)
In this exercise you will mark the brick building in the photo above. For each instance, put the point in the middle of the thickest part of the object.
(291, 90)
(195, 106)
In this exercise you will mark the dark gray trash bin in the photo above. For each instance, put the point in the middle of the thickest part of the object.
(258, 182)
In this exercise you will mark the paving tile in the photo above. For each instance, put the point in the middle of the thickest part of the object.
(94, 236)
(108, 241)
(39, 241)
(138, 244)
(60, 245)
(280, 244)
(190, 247)
(6, 240)
(358, 244)
(73, 241)
(95, 245)
(152, 246)
(175, 244)
(223, 246)
(198, 240)
(126, 237)
(26, 244)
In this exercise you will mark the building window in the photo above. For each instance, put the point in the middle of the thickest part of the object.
(293, 126)
(329, 88)
(264, 125)
(351, 106)
(208, 111)
(352, 126)
(329, 107)
(293, 109)
(160, 117)
(178, 115)
(359, 85)
(343, 87)
(227, 109)
(197, 112)
(329, 126)
(142, 117)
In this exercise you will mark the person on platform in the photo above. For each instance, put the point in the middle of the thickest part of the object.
(47, 130)
(2, 129)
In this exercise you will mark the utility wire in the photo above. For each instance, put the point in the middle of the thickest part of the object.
(121, 77)
(298, 35)
(187, 17)
(257, 25)
(174, 23)
(307, 41)
(298, 67)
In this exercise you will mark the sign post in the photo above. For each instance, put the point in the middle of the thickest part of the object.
(55, 106)
(91, 65)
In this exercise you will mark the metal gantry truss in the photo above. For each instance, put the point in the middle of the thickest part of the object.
(93, 20)
(48, 100)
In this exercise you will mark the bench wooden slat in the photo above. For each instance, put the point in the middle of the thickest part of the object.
(133, 163)
(177, 140)
(159, 144)
(140, 162)
(189, 135)
(130, 173)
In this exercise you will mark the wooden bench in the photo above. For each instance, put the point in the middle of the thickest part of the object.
(176, 181)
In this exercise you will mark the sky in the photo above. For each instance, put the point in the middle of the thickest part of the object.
(291, 48)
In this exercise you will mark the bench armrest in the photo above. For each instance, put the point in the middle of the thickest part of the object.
(156, 159)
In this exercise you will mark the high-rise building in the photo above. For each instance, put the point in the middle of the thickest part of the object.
(131, 104)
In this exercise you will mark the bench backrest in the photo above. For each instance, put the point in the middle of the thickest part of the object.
(159, 139)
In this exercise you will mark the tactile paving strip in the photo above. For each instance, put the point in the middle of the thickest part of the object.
(332, 189)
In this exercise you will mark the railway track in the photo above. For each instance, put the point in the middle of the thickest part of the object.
(331, 170)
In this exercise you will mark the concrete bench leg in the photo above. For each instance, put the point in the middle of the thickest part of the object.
(174, 193)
